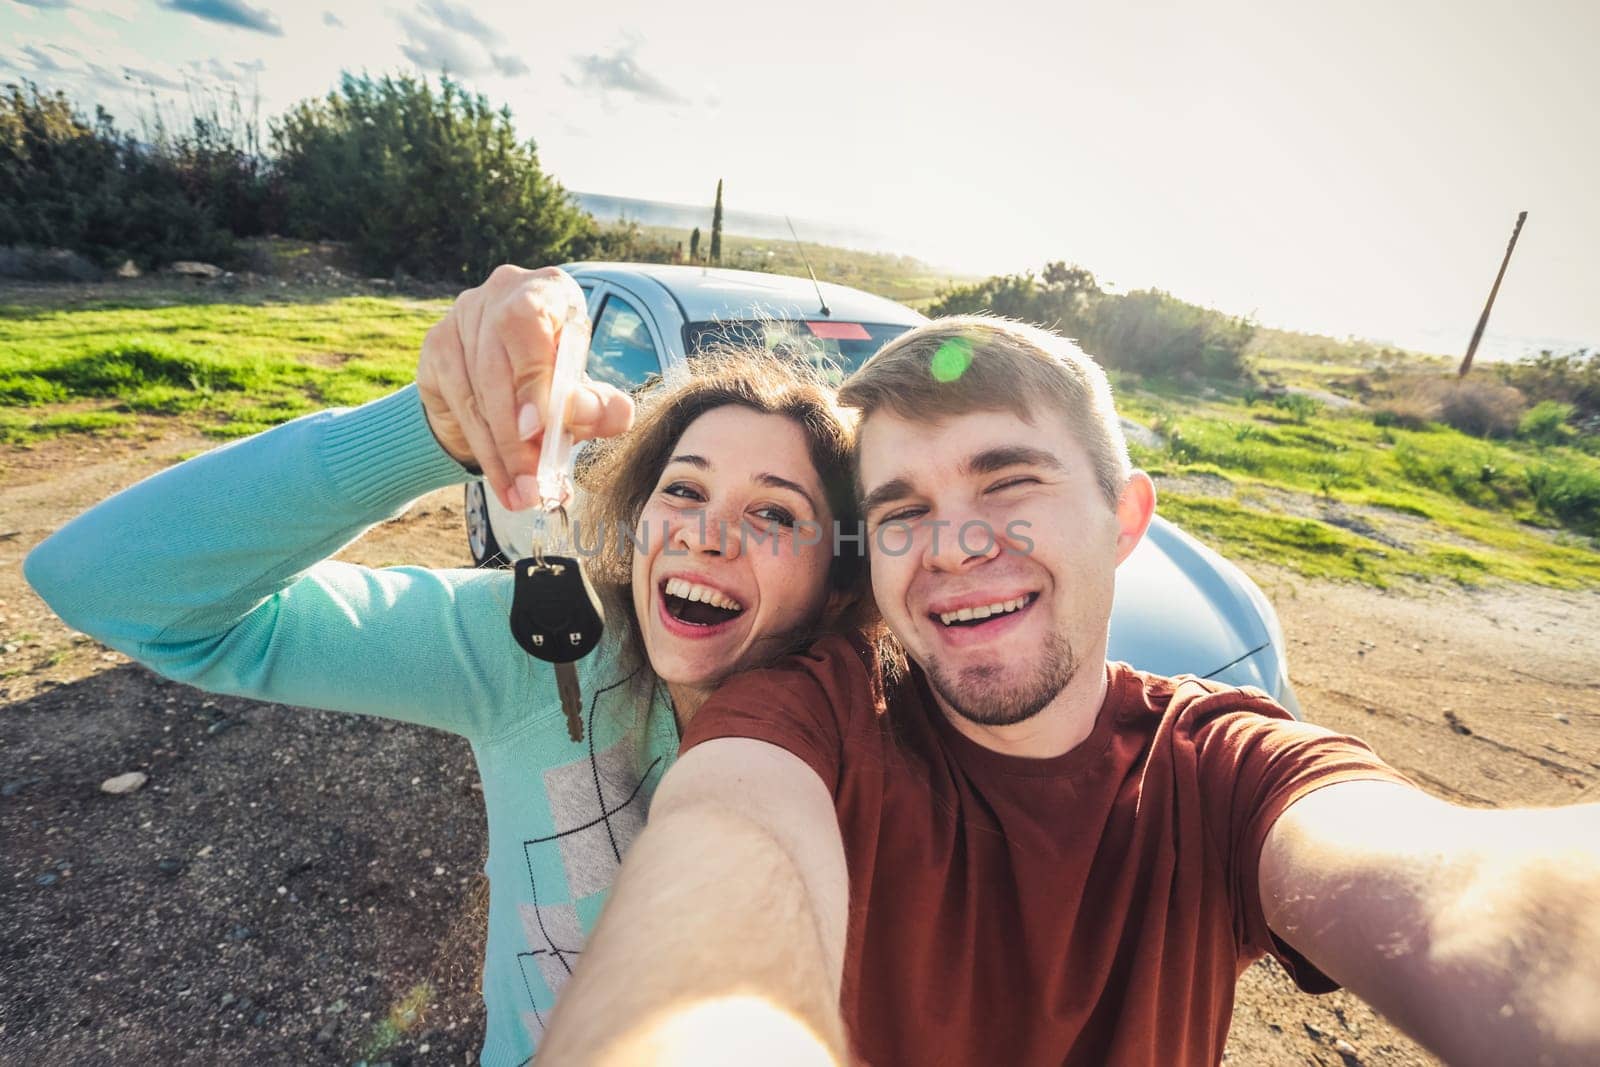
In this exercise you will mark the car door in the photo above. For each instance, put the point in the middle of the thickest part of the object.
(625, 348)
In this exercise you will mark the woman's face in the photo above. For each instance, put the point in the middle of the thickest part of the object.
(732, 550)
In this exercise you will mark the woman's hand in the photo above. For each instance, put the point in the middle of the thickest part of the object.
(484, 377)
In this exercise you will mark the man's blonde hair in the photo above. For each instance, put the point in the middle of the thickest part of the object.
(967, 363)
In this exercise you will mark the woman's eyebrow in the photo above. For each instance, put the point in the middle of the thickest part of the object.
(772, 481)
(775, 482)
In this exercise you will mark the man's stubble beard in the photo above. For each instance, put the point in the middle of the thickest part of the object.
(978, 695)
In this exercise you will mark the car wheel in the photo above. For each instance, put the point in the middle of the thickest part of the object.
(480, 534)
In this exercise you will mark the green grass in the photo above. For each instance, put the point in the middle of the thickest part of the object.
(1487, 509)
(230, 367)
(1474, 510)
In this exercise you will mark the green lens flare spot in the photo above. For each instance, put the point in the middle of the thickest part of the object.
(951, 360)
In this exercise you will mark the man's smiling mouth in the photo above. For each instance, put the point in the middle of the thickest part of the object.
(979, 614)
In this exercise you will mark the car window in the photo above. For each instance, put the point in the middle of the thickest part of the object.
(835, 348)
(621, 352)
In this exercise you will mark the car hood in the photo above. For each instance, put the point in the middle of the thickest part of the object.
(1182, 609)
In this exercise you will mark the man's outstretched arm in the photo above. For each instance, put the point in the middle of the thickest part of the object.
(1477, 932)
(723, 939)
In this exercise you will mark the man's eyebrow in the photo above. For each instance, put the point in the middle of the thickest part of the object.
(988, 461)
(692, 460)
(775, 482)
(997, 459)
(893, 489)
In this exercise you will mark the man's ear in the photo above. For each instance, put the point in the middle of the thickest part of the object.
(1135, 507)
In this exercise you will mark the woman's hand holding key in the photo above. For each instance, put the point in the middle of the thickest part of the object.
(484, 378)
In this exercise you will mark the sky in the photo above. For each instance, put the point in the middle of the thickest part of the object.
(1351, 169)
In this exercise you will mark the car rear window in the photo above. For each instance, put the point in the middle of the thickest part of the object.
(836, 347)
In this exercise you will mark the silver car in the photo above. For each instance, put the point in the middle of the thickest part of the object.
(1180, 608)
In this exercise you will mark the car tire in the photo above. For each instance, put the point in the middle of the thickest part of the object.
(481, 541)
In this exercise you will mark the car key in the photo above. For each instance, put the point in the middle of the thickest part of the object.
(555, 614)
(556, 617)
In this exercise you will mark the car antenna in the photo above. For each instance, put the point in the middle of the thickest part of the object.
(807, 262)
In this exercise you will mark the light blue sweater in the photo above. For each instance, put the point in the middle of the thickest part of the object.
(215, 573)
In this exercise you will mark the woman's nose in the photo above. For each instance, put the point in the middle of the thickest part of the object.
(706, 532)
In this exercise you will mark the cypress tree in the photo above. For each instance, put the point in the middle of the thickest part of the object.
(716, 227)
(694, 246)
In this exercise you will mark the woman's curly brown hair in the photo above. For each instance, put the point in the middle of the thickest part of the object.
(617, 476)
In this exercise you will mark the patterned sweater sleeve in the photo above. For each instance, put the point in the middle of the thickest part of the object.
(215, 573)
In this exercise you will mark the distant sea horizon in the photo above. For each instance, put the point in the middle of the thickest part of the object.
(608, 208)
(1449, 342)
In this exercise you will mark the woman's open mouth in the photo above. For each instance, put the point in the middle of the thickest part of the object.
(693, 605)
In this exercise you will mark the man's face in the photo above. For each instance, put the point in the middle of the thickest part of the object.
(993, 550)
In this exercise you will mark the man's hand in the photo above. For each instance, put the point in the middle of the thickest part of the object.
(484, 377)
(1475, 931)
(723, 939)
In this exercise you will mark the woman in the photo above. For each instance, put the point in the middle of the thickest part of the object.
(718, 485)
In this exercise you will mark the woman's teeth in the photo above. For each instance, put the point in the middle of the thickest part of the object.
(687, 590)
(984, 611)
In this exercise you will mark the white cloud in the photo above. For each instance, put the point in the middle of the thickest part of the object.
(453, 40)
(620, 73)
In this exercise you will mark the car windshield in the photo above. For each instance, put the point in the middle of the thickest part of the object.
(836, 347)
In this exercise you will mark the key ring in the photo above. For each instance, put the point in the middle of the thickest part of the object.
(539, 561)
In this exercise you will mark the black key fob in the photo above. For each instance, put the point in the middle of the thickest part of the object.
(555, 614)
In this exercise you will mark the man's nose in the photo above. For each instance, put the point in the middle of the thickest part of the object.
(958, 542)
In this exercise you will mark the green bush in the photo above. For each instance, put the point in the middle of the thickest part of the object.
(1151, 332)
(430, 182)
(1546, 423)
(1147, 332)
(625, 242)
(1568, 493)
(69, 182)
(1572, 378)
(1299, 406)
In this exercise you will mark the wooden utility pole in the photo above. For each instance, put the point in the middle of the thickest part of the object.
(1483, 320)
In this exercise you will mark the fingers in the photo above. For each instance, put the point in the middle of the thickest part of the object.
(485, 377)
(598, 410)
(534, 314)
(487, 411)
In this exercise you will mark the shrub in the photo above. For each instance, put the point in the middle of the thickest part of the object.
(1481, 407)
(1478, 406)
(1146, 332)
(1405, 412)
(1572, 378)
(1152, 332)
(1546, 423)
(623, 241)
(1298, 405)
(1567, 493)
(72, 183)
(430, 182)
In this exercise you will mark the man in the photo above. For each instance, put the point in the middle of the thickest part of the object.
(1030, 855)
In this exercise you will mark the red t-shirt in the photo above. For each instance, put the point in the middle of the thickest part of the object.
(1091, 908)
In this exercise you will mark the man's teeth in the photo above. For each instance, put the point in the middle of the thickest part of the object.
(983, 611)
(687, 590)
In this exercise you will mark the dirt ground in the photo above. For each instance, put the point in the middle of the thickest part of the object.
(294, 886)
